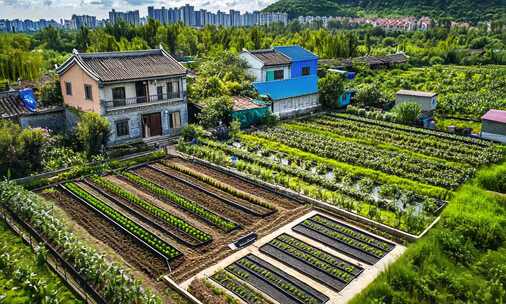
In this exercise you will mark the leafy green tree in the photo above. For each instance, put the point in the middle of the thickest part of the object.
(92, 133)
(331, 88)
(215, 110)
(20, 149)
(369, 95)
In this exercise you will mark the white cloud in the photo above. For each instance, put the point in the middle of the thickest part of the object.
(50, 9)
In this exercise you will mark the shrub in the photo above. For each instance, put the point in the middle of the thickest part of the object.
(20, 149)
(407, 112)
(331, 88)
(215, 110)
(92, 133)
(493, 179)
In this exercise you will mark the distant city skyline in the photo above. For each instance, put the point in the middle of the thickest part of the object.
(50, 9)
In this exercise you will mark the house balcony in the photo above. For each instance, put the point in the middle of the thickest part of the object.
(143, 101)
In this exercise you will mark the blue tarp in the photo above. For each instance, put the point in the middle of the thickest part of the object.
(28, 99)
(287, 88)
(295, 52)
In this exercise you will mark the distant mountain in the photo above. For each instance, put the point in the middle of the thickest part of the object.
(472, 10)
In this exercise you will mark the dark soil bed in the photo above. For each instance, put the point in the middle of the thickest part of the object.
(126, 246)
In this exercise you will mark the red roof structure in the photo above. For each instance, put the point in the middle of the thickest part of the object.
(495, 115)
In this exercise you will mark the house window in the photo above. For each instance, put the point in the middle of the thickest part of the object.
(68, 88)
(175, 120)
(159, 93)
(122, 128)
(172, 89)
(269, 75)
(279, 74)
(306, 71)
(87, 92)
(118, 96)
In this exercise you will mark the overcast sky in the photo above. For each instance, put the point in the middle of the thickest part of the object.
(56, 9)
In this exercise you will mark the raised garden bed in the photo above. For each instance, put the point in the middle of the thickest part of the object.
(142, 235)
(238, 288)
(159, 218)
(253, 210)
(185, 204)
(341, 241)
(275, 282)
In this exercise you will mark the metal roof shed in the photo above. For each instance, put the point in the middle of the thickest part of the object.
(493, 125)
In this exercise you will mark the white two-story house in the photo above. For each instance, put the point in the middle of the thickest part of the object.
(141, 93)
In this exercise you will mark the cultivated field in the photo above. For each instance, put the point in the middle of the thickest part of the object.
(170, 217)
(397, 175)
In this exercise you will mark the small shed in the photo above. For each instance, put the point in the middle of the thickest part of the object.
(493, 125)
(249, 111)
(426, 100)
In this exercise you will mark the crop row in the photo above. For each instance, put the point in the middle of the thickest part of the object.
(222, 186)
(149, 238)
(430, 145)
(344, 238)
(166, 217)
(352, 233)
(436, 134)
(437, 173)
(406, 219)
(320, 254)
(244, 292)
(387, 192)
(182, 202)
(276, 280)
(311, 260)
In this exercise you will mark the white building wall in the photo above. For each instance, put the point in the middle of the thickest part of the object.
(295, 105)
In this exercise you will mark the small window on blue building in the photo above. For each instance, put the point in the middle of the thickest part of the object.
(306, 71)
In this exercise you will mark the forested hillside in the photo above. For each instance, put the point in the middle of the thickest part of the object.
(472, 10)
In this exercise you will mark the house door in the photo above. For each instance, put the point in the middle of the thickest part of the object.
(151, 125)
(141, 91)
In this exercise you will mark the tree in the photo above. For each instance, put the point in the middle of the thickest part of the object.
(92, 133)
(331, 88)
(369, 95)
(407, 112)
(215, 110)
(20, 149)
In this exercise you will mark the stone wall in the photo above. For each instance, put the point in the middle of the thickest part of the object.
(53, 120)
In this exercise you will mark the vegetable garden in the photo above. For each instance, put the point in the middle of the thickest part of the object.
(168, 217)
(397, 175)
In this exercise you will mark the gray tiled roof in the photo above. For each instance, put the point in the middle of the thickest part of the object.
(270, 57)
(117, 66)
(11, 105)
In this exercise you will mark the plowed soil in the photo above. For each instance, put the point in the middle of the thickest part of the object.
(125, 245)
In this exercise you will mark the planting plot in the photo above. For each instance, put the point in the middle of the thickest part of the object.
(397, 175)
(143, 235)
(274, 282)
(174, 226)
(240, 289)
(320, 266)
(345, 239)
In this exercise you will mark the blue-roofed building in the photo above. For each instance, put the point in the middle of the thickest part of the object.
(287, 76)
(302, 61)
(291, 97)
